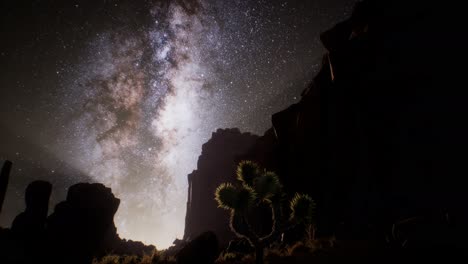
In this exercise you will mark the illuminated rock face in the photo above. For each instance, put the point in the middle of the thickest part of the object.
(215, 165)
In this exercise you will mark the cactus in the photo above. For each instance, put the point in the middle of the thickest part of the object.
(4, 177)
(258, 186)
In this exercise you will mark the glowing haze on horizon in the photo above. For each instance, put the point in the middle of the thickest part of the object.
(145, 120)
(132, 105)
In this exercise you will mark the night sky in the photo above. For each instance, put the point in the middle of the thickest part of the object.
(126, 92)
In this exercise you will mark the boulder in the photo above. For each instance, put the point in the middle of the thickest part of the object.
(204, 249)
(82, 226)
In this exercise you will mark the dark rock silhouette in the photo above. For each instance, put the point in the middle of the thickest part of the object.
(386, 144)
(387, 120)
(4, 178)
(130, 247)
(82, 226)
(215, 166)
(378, 140)
(29, 227)
(32, 221)
(377, 137)
(202, 249)
(177, 245)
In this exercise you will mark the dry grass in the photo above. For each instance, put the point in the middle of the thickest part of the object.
(156, 257)
(325, 250)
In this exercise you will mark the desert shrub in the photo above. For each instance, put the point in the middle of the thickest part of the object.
(257, 186)
(109, 259)
(125, 259)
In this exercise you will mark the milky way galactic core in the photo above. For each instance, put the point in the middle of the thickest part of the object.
(131, 103)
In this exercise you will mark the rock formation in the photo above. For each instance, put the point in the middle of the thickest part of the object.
(29, 227)
(4, 177)
(378, 136)
(384, 120)
(202, 249)
(215, 166)
(32, 221)
(82, 227)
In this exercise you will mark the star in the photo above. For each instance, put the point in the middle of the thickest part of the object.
(135, 90)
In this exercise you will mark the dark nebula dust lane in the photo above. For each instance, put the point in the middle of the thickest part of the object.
(126, 92)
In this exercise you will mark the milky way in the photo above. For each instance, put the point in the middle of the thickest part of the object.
(141, 98)
(146, 112)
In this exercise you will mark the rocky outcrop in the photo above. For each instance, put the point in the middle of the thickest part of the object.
(29, 227)
(377, 136)
(216, 165)
(202, 249)
(32, 221)
(4, 178)
(132, 248)
(82, 226)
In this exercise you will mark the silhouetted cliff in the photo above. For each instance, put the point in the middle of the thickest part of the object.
(215, 166)
(80, 228)
(379, 135)
(389, 105)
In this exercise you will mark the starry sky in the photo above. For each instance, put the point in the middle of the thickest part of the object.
(126, 92)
